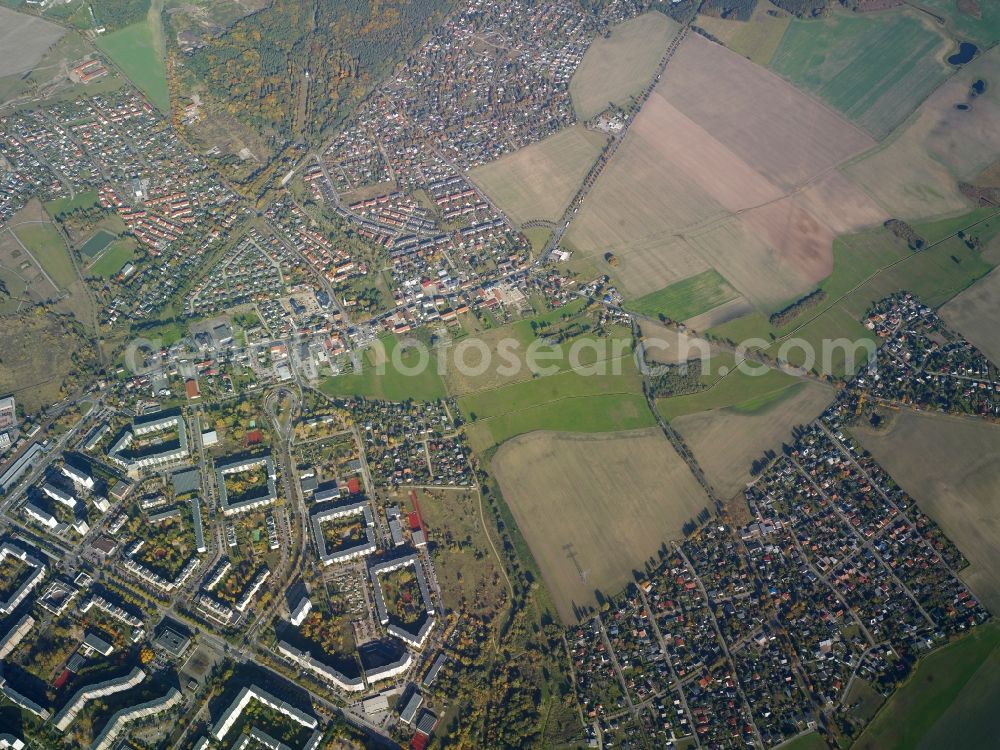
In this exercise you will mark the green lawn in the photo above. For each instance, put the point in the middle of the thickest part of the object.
(936, 683)
(111, 262)
(686, 298)
(84, 199)
(133, 50)
(46, 244)
(874, 68)
(392, 384)
(585, 413)
(570, 401)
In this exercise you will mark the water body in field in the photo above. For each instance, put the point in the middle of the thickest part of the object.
(966, 51)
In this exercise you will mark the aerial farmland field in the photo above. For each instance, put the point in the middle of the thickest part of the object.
(975, 313)
(915, 175)
(874, 68)
(756, 39)
(951, 467)
(692, 188)
(609, 502)
(24, 41)
(687, 298)
(619, 66)
(538, 181)
(726, 441)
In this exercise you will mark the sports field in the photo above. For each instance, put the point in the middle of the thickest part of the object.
(96, 244)
(940, 689)
(134, 50)
(951, 467)
(113, 258)
(874, 68)
(727, 441)
(619, 66)
(593, 508)
(538, 181)
(687, 298)
(391, 384)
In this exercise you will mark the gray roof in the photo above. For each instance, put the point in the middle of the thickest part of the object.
(187, 480)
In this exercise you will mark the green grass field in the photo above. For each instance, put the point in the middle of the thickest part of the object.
(113, 259)
(868, 267)
(392, 384)
(931, 691)
(983, 31)
(569, 401)
(581, 413)
(133, 50)
(874, 68)
(45, 243)
(752, 393)
(686, 298)
(84, 199)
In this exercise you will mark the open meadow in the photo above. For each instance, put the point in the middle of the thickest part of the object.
(915, 174)
(955, 688)
(693, 188)
(756, 39)
(379, 379)
(593, 508)
(134, 49)
(975, 20)
(619, 66)
(538, 181)
(24, 40)
(726, 441)
(686, 299)
(467, 570)
(951, 467)
(875, 68)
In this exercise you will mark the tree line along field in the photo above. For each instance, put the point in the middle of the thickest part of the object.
(874, 68)
(726, 440)
(619, 66)
(609, 502)
(539, 180)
